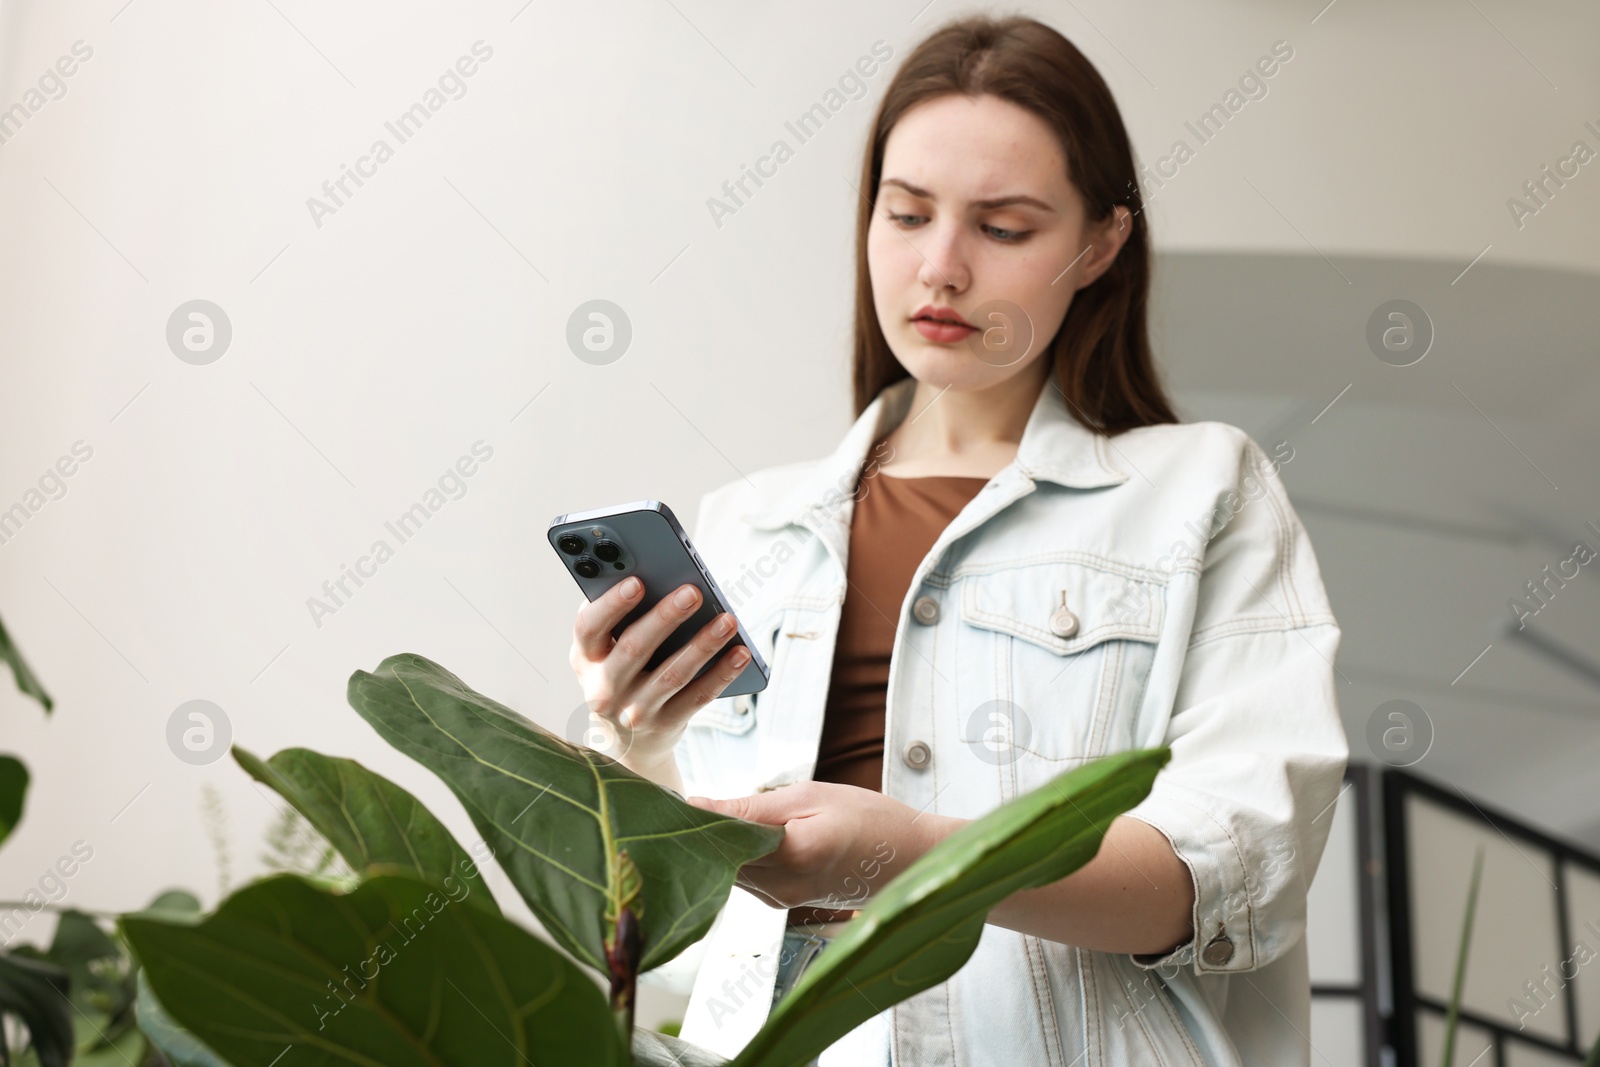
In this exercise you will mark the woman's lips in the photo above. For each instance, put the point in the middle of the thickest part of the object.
(940, 322)
(943, 331)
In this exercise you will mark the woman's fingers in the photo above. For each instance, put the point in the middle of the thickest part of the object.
(591, 631)
(640, 640)
(634, 699)
(678, 709)
(677, 672)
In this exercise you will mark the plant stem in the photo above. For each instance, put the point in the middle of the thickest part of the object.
(623, 961)
(622, 1014)
(1461, 962)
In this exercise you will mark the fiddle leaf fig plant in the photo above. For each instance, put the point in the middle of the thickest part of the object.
(396, 972)
(406, 963)
(592, 847)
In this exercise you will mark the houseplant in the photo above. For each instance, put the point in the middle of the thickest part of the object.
(410, 961)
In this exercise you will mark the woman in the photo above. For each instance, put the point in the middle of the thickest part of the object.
(1016, 560)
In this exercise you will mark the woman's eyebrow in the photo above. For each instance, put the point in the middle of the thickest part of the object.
(993, 202)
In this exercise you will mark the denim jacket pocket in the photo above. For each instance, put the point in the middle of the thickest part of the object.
(1064, 607)
(1054, 660)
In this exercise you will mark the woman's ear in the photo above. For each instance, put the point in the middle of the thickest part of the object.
(1107, 236)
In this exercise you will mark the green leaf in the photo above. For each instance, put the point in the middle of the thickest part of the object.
(128, 1047)
(13, 789)
(79, 941)
(392, 975)
(35, 993)
(560, 816)
(369, 819)
(176, 1043)
(1453, 1015)
(925, 923)
(20, 671)
(174, 902)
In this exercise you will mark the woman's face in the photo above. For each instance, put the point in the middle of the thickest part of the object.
(975, 214)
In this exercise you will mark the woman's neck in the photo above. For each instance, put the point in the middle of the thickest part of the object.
(961, 434)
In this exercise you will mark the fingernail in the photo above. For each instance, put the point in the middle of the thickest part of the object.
(740, 657)
(700, 802)
(685, 597)
(630, 588)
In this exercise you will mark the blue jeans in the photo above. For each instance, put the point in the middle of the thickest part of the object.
(800, 947)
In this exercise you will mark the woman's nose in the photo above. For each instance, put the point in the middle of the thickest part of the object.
(943, 260)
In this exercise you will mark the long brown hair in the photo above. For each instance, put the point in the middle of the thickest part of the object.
(1101, 355)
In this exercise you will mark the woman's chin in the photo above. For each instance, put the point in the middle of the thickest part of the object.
(952, 367)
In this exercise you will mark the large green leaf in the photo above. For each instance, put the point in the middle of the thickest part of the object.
(371, 821)
(20, 671)
(179, 1046)
(925, 923)
(394, 974)
(35, 993)
(176, 1043)
(582, 837)
(13, 789)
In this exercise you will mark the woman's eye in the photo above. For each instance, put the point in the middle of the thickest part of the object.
(1007, 236)
(1002, 235)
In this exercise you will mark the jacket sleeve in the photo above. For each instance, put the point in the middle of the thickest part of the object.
(1258, 746)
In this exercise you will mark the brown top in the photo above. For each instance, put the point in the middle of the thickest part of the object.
(895, 523)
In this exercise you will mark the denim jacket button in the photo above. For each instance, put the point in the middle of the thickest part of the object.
(1218, 951)
(1063, 623)
(917, 754)
(925, 609)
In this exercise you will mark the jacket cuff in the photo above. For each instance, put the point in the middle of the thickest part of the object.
(1224, 937)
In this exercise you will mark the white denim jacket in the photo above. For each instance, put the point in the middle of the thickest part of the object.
(1098, 594)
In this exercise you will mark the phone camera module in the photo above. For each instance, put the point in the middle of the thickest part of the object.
(587, 567)
(608, 551)
(571, 544)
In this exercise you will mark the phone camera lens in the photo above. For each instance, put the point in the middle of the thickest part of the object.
(571, 544)
(587, 567)
(608, 551)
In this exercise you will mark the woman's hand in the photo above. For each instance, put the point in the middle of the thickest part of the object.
(647, 711)
(842, 843)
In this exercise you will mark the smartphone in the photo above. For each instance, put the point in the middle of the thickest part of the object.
(602, 547)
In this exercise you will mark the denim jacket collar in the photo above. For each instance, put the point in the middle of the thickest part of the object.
(1055, 447)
